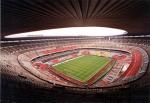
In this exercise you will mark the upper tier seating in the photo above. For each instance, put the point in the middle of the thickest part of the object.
(14, 51)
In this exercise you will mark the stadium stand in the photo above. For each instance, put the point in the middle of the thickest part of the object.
(39, 65)
(13, 70)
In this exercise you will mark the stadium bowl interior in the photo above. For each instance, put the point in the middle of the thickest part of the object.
(42, 67)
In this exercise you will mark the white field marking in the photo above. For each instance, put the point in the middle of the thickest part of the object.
(67, 60)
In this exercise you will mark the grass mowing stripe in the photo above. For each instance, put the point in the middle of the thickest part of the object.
(83, 67)
(94, 72)
(89, 70)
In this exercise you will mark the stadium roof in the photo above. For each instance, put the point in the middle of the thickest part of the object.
(20, 16)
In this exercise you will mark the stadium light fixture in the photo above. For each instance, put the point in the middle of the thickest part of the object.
(71, 31)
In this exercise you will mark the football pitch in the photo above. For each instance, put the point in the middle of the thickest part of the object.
(82, 68)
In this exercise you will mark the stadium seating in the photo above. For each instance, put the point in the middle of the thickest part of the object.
(34, 50)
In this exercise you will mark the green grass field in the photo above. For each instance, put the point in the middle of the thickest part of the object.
(82, 68)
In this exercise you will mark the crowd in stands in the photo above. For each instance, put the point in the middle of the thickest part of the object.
(11, 67)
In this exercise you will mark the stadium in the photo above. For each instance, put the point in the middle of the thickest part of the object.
(55, 51)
